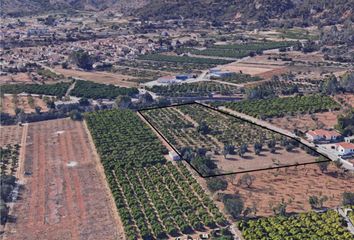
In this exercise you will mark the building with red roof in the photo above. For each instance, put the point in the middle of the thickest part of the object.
(322, 135)
(345, 148)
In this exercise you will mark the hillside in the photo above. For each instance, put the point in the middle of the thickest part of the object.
(26, 7)
(313, 11)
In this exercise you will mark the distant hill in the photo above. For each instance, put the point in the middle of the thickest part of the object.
(26, 7)
(260, 10)
(307, 11)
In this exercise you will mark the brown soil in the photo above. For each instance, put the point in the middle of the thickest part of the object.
(99, 77)
(7, 105)
(250, 161)
(15, 78)
(306, 122)
(63, 198)
(294, 185)
(10, 135)
(347, 98)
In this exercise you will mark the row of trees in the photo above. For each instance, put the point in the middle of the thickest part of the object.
(9, 156)
(195, 89)
(279, 107)
(154, 199)
(57, 89)
(183, 59)
(94, 90)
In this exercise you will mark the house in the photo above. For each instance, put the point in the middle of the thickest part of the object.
(344, 148)
(322, 135)
(174, 156)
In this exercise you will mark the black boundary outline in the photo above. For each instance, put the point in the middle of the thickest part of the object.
(239, 118)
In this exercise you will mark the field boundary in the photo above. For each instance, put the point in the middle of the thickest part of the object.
(140, 111)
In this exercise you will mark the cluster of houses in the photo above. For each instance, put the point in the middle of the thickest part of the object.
(344, 146)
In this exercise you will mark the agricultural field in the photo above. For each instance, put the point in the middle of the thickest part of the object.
(283, 87)
(185, 59)
(236, 50)
(216, 143)
(304, 226)
(195, 89)
(100, 77)
(28, 104)
(293, 185)
(306, 122)
(94, 90)
(141, 75)
(155, 198)
(238, 78)
(63, 195)
(10, 135)
(256, 46)
(56, 89)
(170, 67)
(15, 78)
(215, 52)
(279, 107)
(9, 163)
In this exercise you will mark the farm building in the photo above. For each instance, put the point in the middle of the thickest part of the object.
(344, 148)
(174, 156)
(322, 135)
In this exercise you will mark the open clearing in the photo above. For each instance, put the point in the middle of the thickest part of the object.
(15, 78)
(99, 77)
(10, 135)
(65, 196)
(8, 105)
(294, 185)
(307, 122)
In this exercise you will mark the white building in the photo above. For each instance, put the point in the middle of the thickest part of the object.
(322, 135)
(349, 139)
(344, 148)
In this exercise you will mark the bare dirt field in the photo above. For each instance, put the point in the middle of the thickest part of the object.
(99, 77)
(307, 121)
(294, 185)
(10, 135)
(257, 66)
(15, 78)
(347, 99)
(252, 69)
(65, 196)
(251, 161)
(8, 106)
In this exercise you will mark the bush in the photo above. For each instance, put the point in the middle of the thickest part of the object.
(216, 184)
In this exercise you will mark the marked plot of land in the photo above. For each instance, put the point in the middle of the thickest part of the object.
(215, 143)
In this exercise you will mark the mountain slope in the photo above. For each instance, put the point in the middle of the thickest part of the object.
(314, 10)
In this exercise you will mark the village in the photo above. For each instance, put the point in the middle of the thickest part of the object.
(115, 126)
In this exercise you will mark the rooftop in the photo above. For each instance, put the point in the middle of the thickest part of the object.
(345, 145)
(322, 132)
